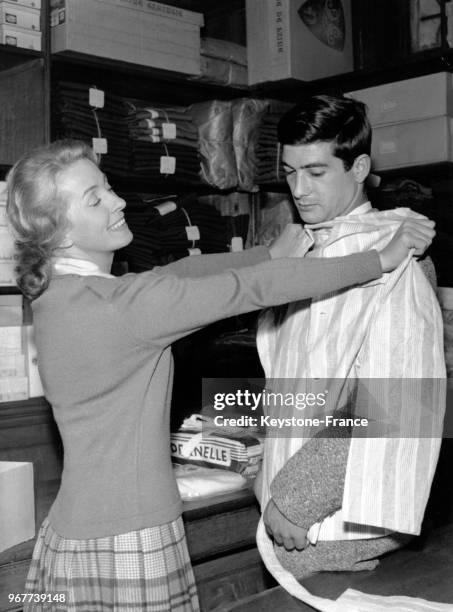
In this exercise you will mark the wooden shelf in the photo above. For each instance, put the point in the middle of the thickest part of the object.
(138, 81)
(12, 56)
(9, 290)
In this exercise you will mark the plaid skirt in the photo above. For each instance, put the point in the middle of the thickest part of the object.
(145, 570)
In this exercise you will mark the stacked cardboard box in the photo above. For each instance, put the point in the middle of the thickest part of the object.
(7, 258)
(412, 121)
(20, 23)
(13, 377)
(290, 40)
(135, 31)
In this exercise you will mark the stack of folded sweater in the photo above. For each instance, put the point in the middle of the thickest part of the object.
(164, 141)
(168, 229)
(75, 118)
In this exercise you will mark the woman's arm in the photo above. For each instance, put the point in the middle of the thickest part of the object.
(204, 265)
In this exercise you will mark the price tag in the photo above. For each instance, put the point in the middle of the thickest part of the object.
(165, 208)
(96, 97)
(167, 164)
(194, 252)
(169, 131)
(237, 244)
(100, 145)
(193, 233)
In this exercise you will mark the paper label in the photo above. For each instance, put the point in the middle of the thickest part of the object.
(387, 147)
(100, 145)
(96, 97)
(237, 244)
(167, 164)
(166, 207)
(169, 131)
(193, 233)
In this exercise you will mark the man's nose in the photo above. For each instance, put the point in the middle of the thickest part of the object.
(302, 185)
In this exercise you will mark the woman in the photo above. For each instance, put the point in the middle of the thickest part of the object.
(114, 537)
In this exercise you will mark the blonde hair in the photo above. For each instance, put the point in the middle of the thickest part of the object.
(37, 212)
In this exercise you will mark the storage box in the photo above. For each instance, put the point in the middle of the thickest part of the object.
(21, 16)
(158, 35)
(7, 273)
(20, 37)
(7, 249)
(31, 3)
(419, 98)
(11, 340)
(412, 143)
(289, 39)
(13, 389)
(10, 310)
(17, 503)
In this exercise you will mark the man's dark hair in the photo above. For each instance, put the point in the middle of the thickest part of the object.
(341, 121)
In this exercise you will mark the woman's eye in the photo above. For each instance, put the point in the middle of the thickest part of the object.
(317, 173)
(96, 202)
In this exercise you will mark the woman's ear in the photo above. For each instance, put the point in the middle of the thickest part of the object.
(361, 167)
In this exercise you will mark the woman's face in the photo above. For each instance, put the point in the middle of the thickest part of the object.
(95, 213)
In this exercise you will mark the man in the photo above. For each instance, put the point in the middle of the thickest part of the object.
(337, 503)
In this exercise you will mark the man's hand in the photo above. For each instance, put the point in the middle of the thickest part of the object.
(288, 241)
(284, 532)
(414, 234)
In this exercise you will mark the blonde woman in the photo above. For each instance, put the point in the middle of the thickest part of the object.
(114, 538)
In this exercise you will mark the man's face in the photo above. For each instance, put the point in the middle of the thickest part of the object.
(321, 187)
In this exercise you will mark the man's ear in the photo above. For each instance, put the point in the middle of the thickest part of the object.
(361, 167)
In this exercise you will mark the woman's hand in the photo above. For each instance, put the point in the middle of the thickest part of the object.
(416, 234)
(284, 532)
(288, 241)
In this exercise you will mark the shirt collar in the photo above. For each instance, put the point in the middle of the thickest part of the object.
(81, 267)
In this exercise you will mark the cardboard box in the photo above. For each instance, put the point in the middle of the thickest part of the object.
(36, 4)
(11, 340)
(20, 16)
(17, 503)
(7, 273)
(120, 32)
(289, 39)
(412, 143)
(13, 389)
(3, 218)
(412, 99)
(20, 37)
(7, 248)
(12, 366)
(10, 310)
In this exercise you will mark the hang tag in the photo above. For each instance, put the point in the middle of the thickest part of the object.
(100, 145)
(165, 208)
(193, 233)
(169, 131)
(96, 97)
(194, 252)
(167, 164)
(237, 244)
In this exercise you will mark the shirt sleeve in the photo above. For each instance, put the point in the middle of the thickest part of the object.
(203, 265)
(402, 393)
(160, 308)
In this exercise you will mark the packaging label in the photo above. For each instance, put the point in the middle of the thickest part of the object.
(167, 164)
(193, 233)
(387, 147)
(96, 97)
(100, 145)
(237, 244)
(169, 131)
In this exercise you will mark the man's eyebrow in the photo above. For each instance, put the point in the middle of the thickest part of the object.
(311, 165)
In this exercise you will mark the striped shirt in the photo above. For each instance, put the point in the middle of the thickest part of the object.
(389, 330)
